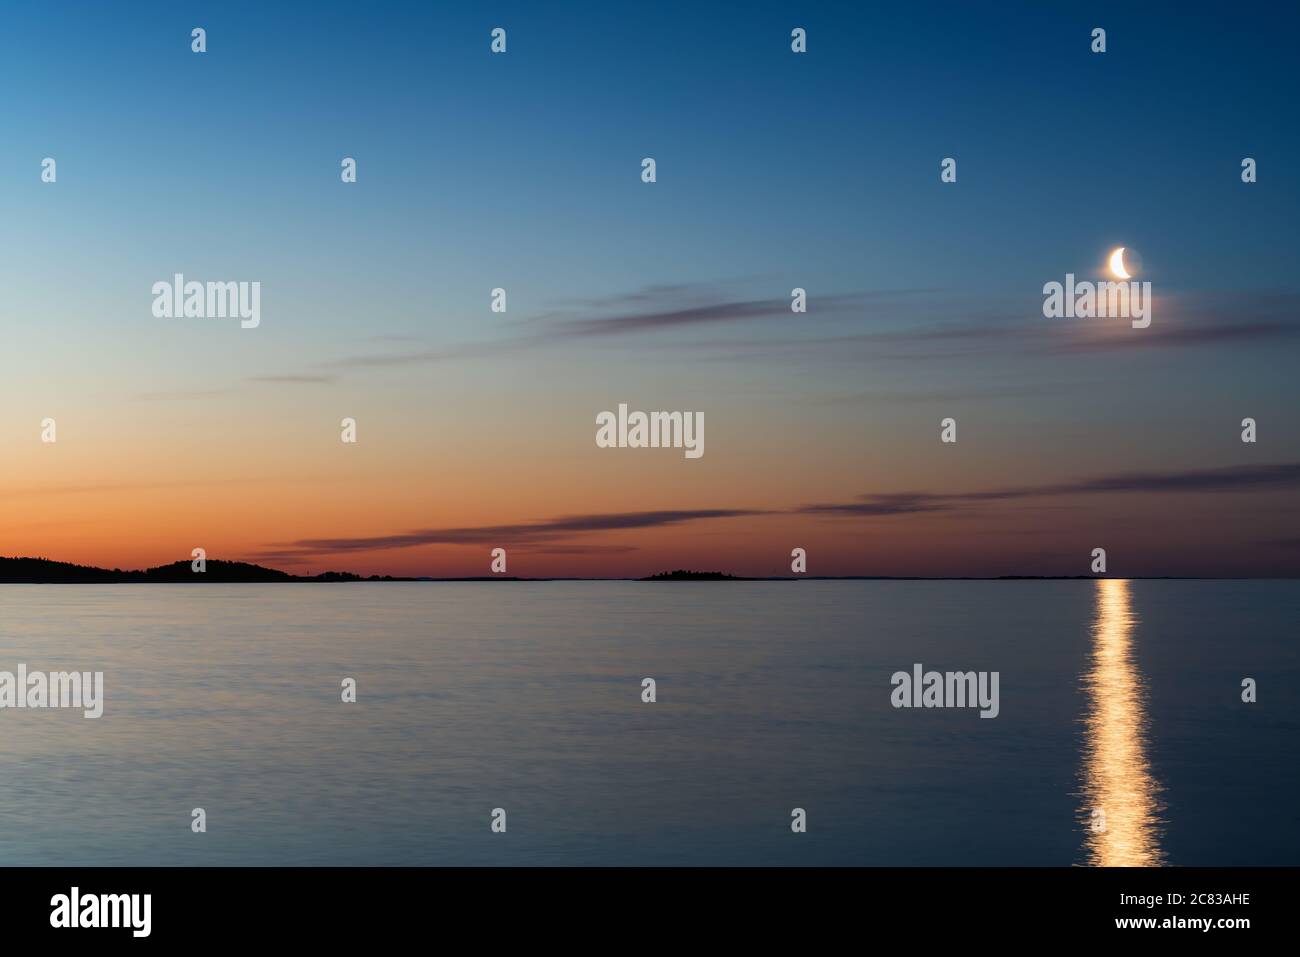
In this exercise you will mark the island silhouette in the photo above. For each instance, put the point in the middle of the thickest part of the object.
(44, 571)
(682, 575)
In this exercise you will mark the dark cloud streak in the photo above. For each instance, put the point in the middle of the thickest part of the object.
(505, 535)
(1228, 479)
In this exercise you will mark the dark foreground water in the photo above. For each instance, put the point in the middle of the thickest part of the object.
(1121, 736)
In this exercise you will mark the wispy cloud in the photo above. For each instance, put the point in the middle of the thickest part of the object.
(692, 315)
(906, 503)
(550, 531)
(930, 325)
(956, 393)
(169, 395)
(563, 535)
(292, 379)
(905, 325)
(1229, 479)
(652, 309)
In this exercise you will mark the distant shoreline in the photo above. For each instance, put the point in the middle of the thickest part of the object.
(41, 571)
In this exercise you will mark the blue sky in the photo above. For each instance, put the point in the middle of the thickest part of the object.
(774, 170)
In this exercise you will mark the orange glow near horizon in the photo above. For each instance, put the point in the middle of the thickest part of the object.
(249, 481)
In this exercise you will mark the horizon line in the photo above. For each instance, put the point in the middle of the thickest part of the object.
(278, 576)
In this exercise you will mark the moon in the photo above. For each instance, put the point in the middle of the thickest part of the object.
(1117, 264)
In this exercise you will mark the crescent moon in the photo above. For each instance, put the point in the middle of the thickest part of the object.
(1117, 264)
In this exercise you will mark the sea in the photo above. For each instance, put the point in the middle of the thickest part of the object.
(1145, 723)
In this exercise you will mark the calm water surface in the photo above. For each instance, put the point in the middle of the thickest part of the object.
(1115, 697)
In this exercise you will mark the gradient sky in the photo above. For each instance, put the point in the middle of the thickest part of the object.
(775, 170)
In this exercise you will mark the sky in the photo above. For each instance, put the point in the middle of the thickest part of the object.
(774, 170)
